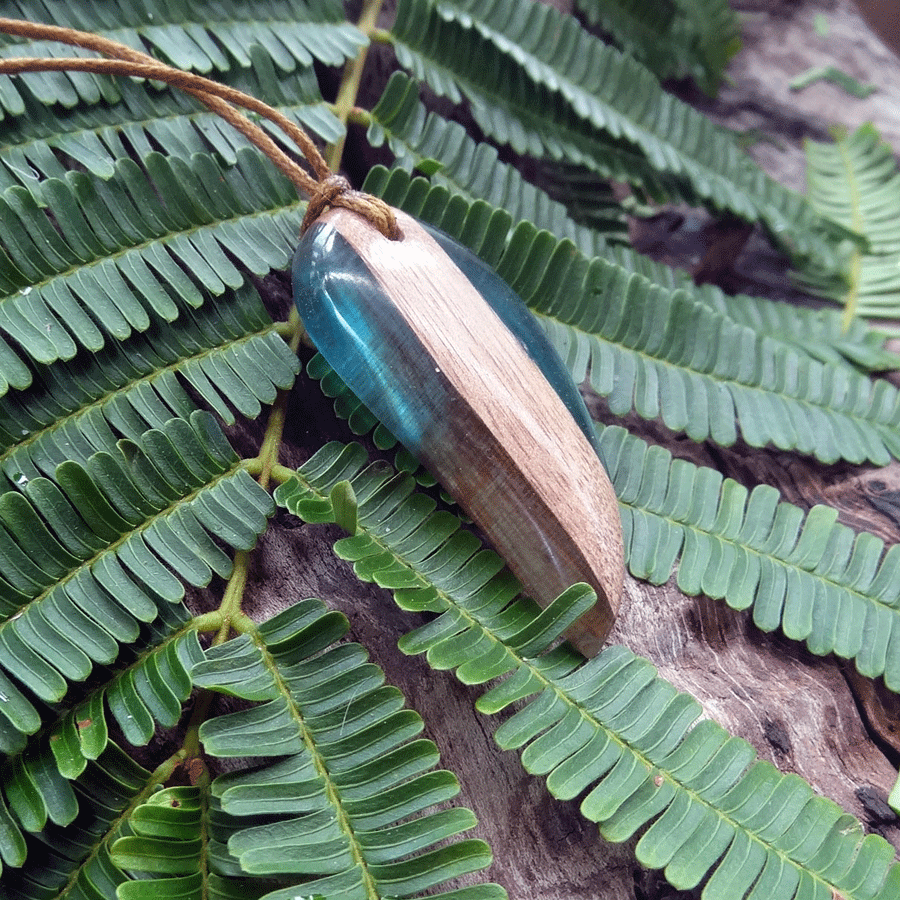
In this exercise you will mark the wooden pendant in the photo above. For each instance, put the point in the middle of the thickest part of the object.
(442, 351)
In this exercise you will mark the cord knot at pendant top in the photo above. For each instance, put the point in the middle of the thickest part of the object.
(335, 191)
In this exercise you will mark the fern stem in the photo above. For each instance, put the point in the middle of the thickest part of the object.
(211, 621)
(281, 474)
(230, 607)
(190, 746)
(351, 80)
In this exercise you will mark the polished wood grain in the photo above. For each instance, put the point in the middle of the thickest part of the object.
(505, 447)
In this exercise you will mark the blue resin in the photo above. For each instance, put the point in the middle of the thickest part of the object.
(362, 336)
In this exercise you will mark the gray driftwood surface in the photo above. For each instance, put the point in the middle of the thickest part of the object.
(799, 711)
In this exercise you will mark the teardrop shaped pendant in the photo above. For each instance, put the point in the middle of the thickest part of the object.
(442, 352)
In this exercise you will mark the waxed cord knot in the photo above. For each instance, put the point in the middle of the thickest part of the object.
(335, 191)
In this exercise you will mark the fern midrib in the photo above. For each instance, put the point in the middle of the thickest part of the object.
(576, 91)
(851, 298)
(595, 723)
(127, 388)
(345, 822)
(114, 545)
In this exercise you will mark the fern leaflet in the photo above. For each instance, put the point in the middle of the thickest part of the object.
(856, 179)
(674, 38)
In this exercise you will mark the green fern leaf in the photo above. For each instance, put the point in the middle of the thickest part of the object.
(202, 36)
(227, 351)
(92, 552)
(38, 784)
(608, 730)
(345, 802)
(819, 581)
(675, 38)
(75, 861)
(152, 689)
(856, 178)
(170, 828)
(467, 168)
(548, 88)
(666, 353)
(819, 333)
(60, 286)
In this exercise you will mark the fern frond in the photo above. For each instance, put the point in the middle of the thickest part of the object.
(145, 119)
(467, 168)
(119, 248)
(817, 580)
(178, 847)
(856, 178)
(609, 730)
(665, 353)
(227, 351)
(198, 35)
(547, 88)
(471, 170)
(170, 830)
(343, 810)
(40, 783)
(99, 548)
(821, 334)
(75, 861)
(674, 38)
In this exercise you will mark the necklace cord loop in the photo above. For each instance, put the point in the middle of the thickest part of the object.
(335, 191)
(323, 187)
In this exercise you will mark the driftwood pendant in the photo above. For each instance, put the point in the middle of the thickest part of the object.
(442, 351)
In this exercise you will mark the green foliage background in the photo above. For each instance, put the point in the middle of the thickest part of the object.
(135, 228)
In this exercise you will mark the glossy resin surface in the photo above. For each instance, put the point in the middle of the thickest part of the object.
(443, 352)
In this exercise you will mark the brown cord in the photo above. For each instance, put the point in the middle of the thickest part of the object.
(323, 187)
(335, 190)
